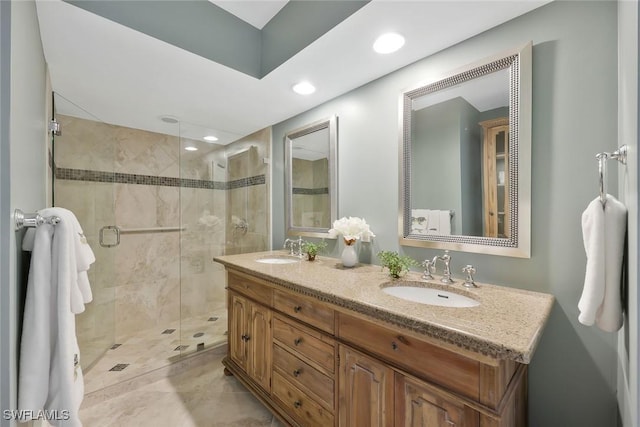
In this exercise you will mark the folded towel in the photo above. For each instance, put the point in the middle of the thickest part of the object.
(603, 234)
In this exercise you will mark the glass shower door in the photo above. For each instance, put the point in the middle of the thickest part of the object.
(83, 167)
(203, 321)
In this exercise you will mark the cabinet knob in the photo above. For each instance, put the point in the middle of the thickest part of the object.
(394, 346)
(297, 372)
(246, 338)
(297, 341)
(297, 404)
(297, 309)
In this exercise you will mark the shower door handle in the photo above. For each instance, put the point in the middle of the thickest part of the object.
(111, 229)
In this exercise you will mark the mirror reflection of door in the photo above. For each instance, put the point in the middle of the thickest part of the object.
(310, 180)
(495, 177)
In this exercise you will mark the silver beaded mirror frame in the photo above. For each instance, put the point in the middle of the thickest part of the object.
(517, 240)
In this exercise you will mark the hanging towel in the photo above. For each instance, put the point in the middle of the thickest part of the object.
(444, 217)
(433, 220)
(50, 377)
(603, 234)
(419, 221)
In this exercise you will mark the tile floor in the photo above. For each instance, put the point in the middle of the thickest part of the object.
(152, 349)
(191, 393)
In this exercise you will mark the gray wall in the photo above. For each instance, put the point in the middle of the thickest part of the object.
(436, 149)
(573, 373)
(628, 386)
(23, 167)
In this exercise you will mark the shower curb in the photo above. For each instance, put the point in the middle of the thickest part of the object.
(175, 368)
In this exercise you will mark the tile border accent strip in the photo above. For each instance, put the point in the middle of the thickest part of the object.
(310, 191)
(129, 178)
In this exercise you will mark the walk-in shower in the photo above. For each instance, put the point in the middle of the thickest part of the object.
(156, 208)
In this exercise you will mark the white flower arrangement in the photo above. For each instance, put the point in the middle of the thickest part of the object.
(351, 228)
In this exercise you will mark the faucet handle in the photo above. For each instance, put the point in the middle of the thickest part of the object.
(428, 269)
(470, 271)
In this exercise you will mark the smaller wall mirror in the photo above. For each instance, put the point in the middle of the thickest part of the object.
(465, 159)
(311, 178)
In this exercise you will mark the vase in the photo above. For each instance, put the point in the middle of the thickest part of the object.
(349, 255)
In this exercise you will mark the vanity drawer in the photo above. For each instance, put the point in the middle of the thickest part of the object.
(314, 346)
(306, 310)
(421, 358)
(297, 403)
(251, 287)
(304, 376)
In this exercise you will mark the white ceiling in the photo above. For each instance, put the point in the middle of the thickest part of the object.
(255, 12)
(125, 77)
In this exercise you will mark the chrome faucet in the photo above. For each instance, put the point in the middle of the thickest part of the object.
(289, 244)
(295, 246)
(446, 272)
(429, 267)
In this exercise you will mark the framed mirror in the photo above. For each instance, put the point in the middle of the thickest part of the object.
(465, 159)
(311, 178)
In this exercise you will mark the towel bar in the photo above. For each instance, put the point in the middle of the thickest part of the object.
(31, 220)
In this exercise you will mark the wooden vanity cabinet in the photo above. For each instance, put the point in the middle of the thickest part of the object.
(250, 338)
(366, 390)
(420, 404)
(316, 365)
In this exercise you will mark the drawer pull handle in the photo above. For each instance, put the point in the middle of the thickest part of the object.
(297, 309)
(297, 372)
(297, 404)
(394, 346)
(297, 341)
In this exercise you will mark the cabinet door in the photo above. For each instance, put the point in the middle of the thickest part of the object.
(259, 340)
(238, 329)
(495, 180)
(366, 390)
(420, 405)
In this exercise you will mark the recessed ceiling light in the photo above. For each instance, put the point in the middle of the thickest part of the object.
(169, 119)
(210, 138)
(191, 148)
(388, 43)
(304, 88)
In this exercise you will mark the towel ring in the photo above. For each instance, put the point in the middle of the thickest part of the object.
(621, 156)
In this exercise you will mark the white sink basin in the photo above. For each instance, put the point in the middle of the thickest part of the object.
(430, 296)
(278, 260)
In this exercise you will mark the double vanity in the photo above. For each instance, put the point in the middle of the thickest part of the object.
(322, 345)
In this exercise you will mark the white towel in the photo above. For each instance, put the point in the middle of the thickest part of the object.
(444, 219)
(603, 234)
(419, 221)
(433, 220)
(50, 377)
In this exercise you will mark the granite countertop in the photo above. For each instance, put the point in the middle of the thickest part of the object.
(506, 325)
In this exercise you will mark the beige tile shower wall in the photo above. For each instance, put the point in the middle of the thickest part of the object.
(137, 284)
(203, 216)
(246, 159)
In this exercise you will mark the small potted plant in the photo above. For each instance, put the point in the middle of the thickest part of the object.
(398, 265)
(312, 249)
